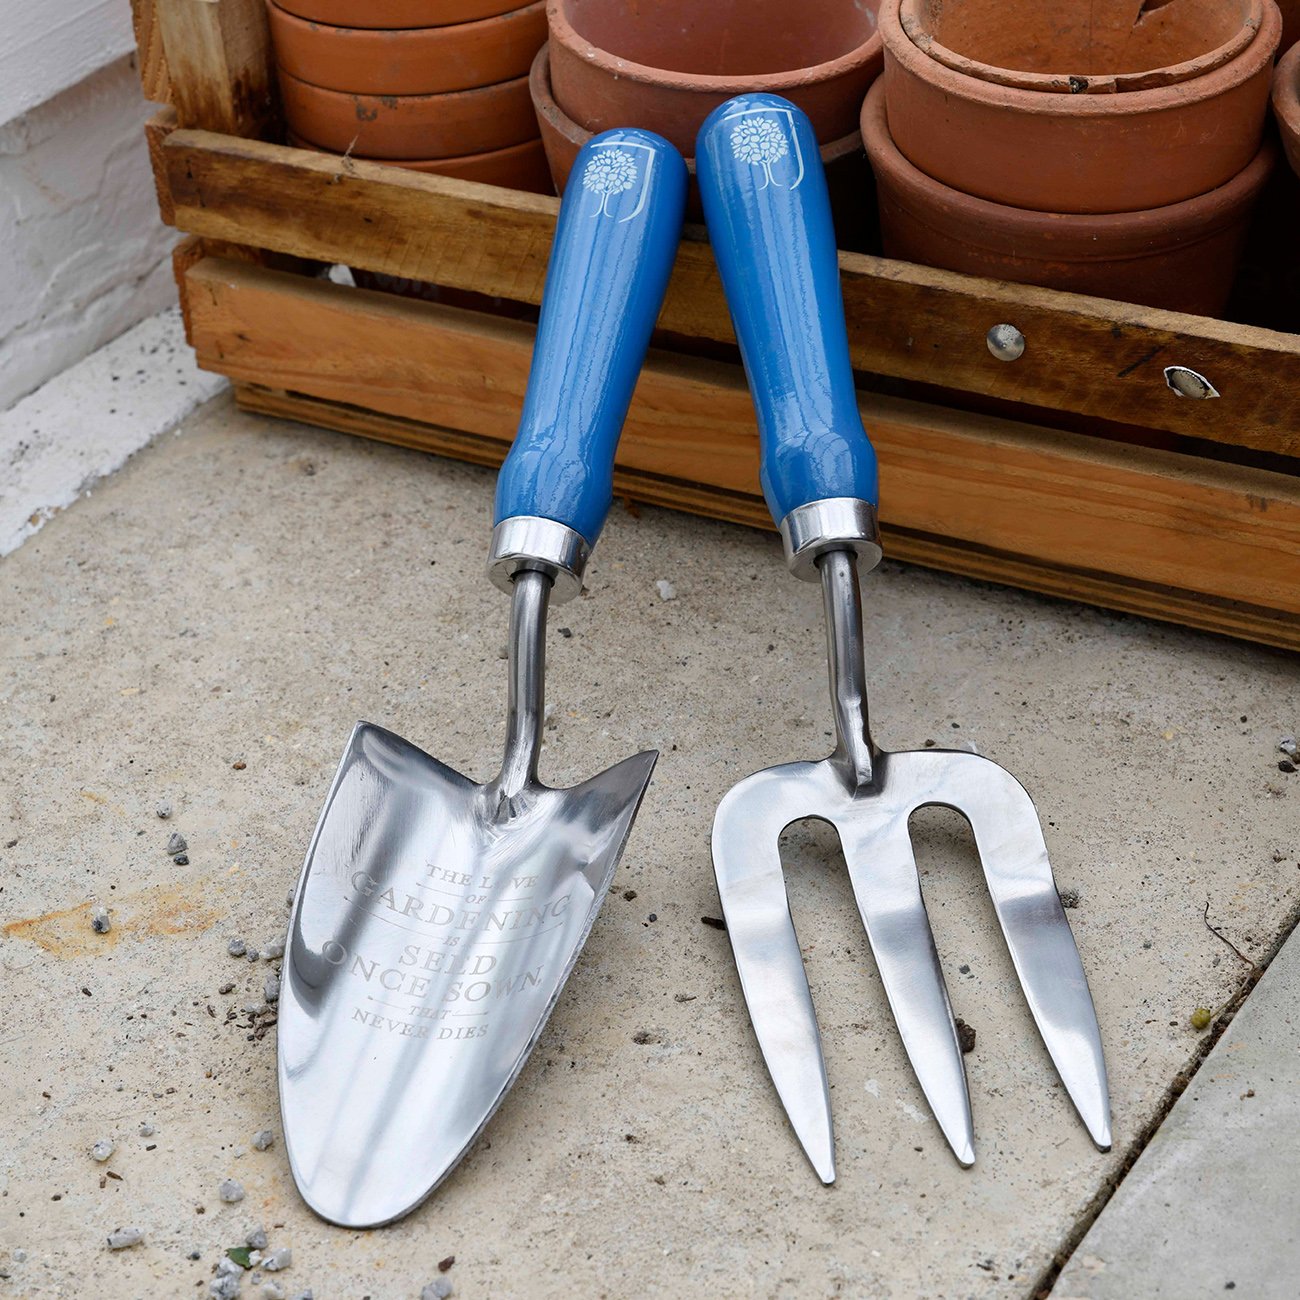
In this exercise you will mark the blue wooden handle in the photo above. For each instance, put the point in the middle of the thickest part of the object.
(765, 201)
(619, 226)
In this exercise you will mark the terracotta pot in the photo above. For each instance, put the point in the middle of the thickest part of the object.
(666, 64)
(396, 13)
(518, 167)
(1181, 256)
(846, 173)
(1151, 136)
(417, 61)
(1286, 104)
(410, 126)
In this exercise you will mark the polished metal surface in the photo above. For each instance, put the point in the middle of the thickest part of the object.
(1187, 382)
(527, 543)
(832, 524)
(1005, 342)
(868, 794)
(435, 923)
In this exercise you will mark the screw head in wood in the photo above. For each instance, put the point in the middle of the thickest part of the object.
(1005, 342)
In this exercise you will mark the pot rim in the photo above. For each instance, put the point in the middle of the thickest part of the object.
(1116, 235)
(564, 33)
(296, 140)
(385, 23)
(315, 30)
(900, 48)
(393, 101)
(1286, 90)
(546, 105)
(912, 22)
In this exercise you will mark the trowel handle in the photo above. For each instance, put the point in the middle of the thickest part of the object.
(619, 226)
(765, 201)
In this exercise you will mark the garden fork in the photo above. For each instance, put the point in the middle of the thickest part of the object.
(768, 215)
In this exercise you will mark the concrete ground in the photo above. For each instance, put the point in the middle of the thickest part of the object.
(206, 629)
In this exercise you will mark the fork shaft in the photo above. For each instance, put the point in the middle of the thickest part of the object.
(845, 657)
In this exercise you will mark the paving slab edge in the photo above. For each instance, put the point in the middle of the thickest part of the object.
(119, 399)
(1043, 1288)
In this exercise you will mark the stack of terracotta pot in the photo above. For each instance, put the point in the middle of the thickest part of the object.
(434, 85)
(666, 64)
(1286, 104)
(1104, 148)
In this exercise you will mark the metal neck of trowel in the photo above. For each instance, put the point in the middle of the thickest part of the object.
(525, 708)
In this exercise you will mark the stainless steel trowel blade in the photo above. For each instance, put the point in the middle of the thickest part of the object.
(434, 926)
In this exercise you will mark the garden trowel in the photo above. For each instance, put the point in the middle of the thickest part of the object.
(437, 919)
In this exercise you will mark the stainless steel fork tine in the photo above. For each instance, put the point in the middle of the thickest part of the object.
(1014, 856)
(888, 891)
(752, 891)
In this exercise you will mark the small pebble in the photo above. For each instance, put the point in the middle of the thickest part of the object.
(100, 921)
(1287, 744)
(438, 1289)
(125, 1238)
(256, 1240)
(236, 947)
(274, 950)
(273, 1291)
(230, 1191)
(102, 1150)
(20, 1256)
(1286, 765)
(147, 1130)
(666, 589)
(965, 1036)
(239, 765)
(252, 954)
(228, 1281)
(261, 1141)
(176, 843)
(503, 652)
(164, 809)
(226, 988)
(288, 898)
(182, 859)
(252, 1009)
(280, 1257)
(271, 988)
(1069, 897)
(195, 1254)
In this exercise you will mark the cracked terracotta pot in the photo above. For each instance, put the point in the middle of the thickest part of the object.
(1181, 256)
(1067, 107)
(516, 167)
(847, 174)
(666, 64)
(410, 126)
(414, 61)
(1286, 104)
(396, 13)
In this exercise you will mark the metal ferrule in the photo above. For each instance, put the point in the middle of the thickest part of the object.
(831, 524)
(531, 543)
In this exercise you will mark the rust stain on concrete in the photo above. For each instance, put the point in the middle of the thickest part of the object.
(157, 911)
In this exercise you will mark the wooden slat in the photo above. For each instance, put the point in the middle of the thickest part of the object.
(218, 55)
(1162, 534)
(151, 61)
(1084, 355)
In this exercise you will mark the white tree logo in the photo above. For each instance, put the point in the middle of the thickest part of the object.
(610, 172)
(760, 142)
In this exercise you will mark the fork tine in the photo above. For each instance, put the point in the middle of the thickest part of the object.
(888, 890)
(1009, 837)
(747, 862)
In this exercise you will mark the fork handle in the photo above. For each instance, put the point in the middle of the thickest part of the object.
(765, 202)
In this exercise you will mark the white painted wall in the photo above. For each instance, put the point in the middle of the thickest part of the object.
(47, 46)
(82, 251)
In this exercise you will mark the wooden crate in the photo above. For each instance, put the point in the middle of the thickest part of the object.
(1106, 486)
